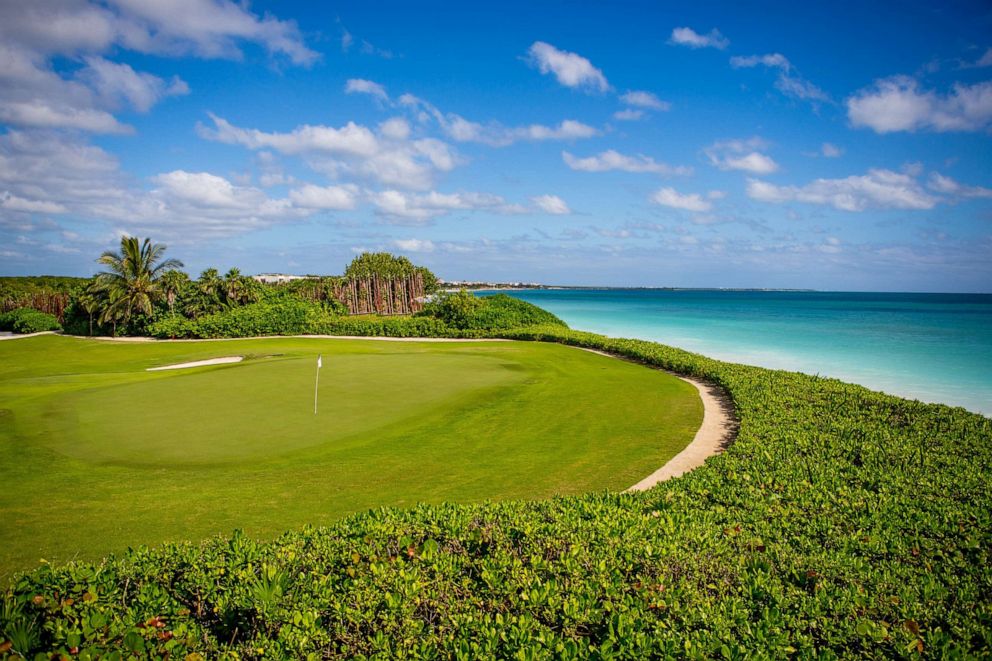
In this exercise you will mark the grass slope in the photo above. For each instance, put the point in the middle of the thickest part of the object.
(99, 454)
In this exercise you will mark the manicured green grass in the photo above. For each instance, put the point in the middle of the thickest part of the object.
(97, 454)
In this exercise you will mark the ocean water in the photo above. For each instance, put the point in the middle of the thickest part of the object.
(931, 347)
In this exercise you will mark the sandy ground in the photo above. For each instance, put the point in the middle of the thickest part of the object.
(5, 335)
(718, 430)
(198, 363)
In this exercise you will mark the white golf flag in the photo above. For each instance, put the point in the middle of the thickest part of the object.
(316, 381)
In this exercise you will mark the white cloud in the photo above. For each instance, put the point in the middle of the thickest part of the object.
(38, 114)
(387, 156)
(948, 186)
(643, 99)
(13, 203)
(34, 95)
(741, 155)
(115, 82)
(551, 204)
(670, 197)
(771, 60)
(361, 86)
(324, 197)
(494, 134)
(898, 104)
(985, 60)
(423, 207)
(789, 82)
(571, 69)
(613, 160)
(879, 189)
(628, 115)
(414, 245)
(692, 39)
(831, 151)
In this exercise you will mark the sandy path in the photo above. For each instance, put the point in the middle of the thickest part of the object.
(717, 432)
(198, 363)
(14, 336)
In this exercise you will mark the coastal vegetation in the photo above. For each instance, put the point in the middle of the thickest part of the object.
(143, 293)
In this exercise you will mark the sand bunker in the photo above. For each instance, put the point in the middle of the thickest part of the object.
(198, 363)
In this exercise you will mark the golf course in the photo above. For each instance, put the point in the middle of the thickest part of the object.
(101, 454)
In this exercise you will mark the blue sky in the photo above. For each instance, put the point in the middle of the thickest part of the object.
(835, 146)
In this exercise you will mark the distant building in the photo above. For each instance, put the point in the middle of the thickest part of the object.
(277, 278)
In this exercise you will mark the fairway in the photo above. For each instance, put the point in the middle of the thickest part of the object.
(99, 454)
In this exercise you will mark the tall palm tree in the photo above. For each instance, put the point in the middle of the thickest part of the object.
(234, 286)
(172, 282)
(91, 300)
(131, 282)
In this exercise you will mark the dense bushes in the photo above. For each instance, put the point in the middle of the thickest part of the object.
(842, 522)
(464, 311)
(28, 320)
(455, 315)
(283, 316)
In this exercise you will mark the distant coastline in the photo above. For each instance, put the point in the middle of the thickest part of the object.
(528, 286)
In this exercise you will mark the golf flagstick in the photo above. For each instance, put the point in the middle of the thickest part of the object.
(316, 382)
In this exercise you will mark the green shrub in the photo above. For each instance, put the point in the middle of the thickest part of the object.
(465, 311)
(28, 320)
(280, 315)
(841, 523)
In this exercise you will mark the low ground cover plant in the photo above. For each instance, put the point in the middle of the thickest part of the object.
(841, 523)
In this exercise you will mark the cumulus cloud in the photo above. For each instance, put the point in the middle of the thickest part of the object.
(643, 99)
(741, 155)
(422, 207)
(628, 115)
(613, 160)
(670, 197)
(361, 86)
(46, 172)
(34, 95)
(494, 134)
(11, 202)
(878, 189)
(899, 104)
(692, 39)
(831, 151)
(789, 82)
(571, 69)
(38, 114)
(116, 83)
(414, 245)
(948, 186)
(324, 197)
(551, 204)
(387, 156)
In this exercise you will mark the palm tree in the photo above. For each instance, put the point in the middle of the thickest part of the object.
(131, 282)
(91, 301)
(172, 282)
(208, 299)
(234, 286)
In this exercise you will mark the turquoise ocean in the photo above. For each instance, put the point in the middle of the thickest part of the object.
(931, 347)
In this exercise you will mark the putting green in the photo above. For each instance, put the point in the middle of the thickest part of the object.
(99, 454)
